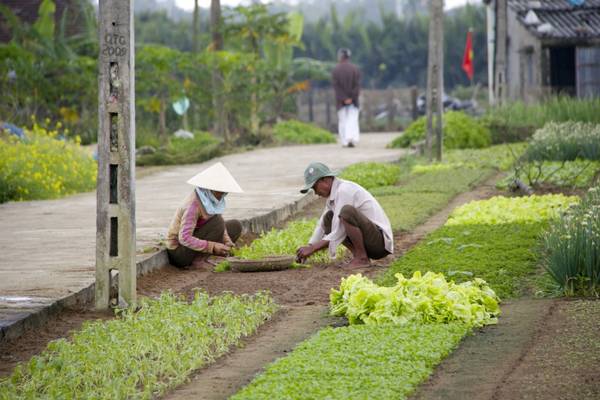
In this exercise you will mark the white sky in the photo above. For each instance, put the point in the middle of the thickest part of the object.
(189, 4)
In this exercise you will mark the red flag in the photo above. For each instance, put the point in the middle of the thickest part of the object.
(467, 64)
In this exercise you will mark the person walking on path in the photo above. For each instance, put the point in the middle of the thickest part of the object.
(352, 217)
(346, 84)
(198, 229)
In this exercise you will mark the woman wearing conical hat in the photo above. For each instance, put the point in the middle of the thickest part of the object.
(198, 228)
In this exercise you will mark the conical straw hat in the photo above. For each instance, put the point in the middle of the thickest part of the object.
(217, 178)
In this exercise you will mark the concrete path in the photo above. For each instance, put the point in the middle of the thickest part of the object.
(48, 247)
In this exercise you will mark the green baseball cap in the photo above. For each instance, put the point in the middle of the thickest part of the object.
(313, 173)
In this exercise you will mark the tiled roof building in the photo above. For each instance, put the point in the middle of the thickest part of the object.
(552, 46)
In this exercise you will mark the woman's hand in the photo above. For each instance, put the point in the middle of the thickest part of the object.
(221, 249)
(304, 252)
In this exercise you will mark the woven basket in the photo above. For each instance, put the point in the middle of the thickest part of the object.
(274, 263)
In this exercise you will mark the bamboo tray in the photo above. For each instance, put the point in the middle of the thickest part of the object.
(273, 263)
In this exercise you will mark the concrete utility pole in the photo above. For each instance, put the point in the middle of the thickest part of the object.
(115, 217)
(500, 56)
(435, 77)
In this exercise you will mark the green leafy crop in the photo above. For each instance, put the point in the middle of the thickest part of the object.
(357, 362)
(425, 298)
(572, 247)
(577, 173)
(140, 354)
(494, 240)
(372, 174)
(505, 210)
(280, 242)
(566, 141)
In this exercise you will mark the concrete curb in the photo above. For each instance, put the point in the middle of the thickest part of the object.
(26, 321)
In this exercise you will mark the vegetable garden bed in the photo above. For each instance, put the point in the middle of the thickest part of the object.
(141, 354)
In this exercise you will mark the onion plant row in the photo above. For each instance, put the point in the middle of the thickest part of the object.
(572, 247)
(140, 354)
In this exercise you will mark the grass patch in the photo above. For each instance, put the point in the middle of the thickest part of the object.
(43, 167)
(372, 174)
(500, 157)
(357, 362)
(502, 255)
(296, 132)
(407, 210)
(202, 147)
(496, 240)
(426, 188)
(141, 354)
(424, 194)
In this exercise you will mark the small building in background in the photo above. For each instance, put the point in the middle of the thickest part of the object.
(551, 47)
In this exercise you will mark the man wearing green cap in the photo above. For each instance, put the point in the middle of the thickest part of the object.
(352, 217)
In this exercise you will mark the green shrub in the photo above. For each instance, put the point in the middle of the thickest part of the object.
(460, 132)
(43, 167)
(372, 174)
(141, 354)
(566, 141)
(357, 362)
(202, 147)
(297, 132)
(572, 247)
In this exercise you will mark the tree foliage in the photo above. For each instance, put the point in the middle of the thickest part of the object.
(393, 51)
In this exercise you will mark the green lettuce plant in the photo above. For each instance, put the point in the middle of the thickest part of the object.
(428, 298)
(281, 242)
(506, 210)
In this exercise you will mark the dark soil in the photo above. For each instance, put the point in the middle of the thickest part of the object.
(541, 349)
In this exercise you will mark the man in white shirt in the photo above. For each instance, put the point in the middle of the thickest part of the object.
(352, 217)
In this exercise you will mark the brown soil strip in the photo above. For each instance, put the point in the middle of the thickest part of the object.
(564, 360)
(541, 349)
(479, 366)
(274, 340)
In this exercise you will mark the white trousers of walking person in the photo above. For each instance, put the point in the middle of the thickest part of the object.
(348, 127)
